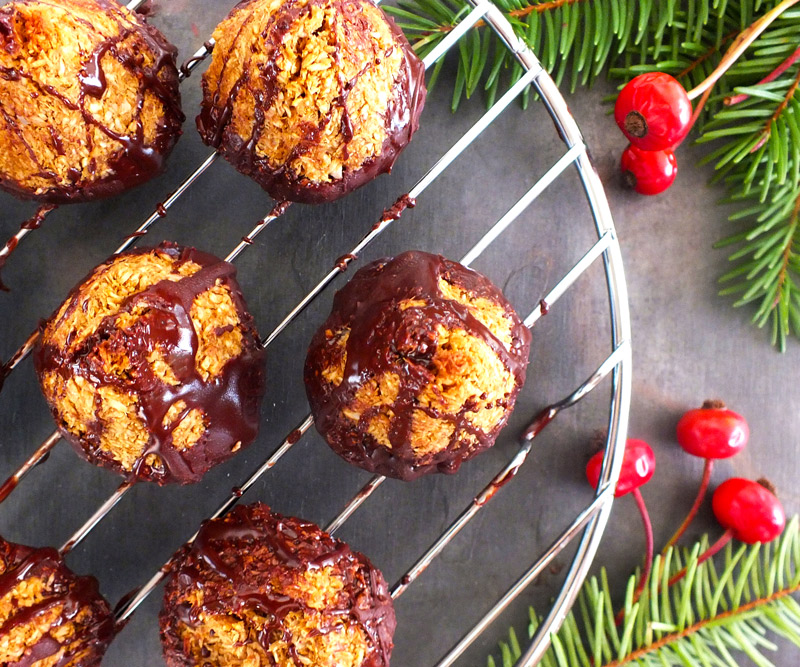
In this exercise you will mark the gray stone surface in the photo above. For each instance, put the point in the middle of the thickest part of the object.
(688, 345)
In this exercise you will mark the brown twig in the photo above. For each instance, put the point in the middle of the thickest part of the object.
(711, 51)
(778, 111)
(675, 636)
(787, 254)
(740, 45)
(544, 7)
(516, 13)
(699, 108)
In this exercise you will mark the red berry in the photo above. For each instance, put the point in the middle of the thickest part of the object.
(712, 432)
(649, 172)
(638, 466)
(654, 111)
(749, 510)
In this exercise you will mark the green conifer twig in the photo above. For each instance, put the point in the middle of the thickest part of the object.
(754, 144)
(723, 609)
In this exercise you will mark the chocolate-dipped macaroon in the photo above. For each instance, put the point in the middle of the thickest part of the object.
(311, 98)
(418, 366)
(89, 101)
(256, 588)
(49, 616)
(153, 367)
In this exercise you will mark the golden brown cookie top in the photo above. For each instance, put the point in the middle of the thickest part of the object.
(89, 101)
(152, 366)
(49, 616)
(260, 587)
(311, 98)
(417, 367)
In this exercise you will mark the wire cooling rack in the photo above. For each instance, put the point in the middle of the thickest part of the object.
(584, 531)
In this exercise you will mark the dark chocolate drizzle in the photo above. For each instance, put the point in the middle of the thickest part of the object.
(236, 561)
(136, 160)
(387, 339)
(34, 222)
(398, 208)
(74, 594)
(189, 65)
(544, 307)
(401, 116)
(229, 402)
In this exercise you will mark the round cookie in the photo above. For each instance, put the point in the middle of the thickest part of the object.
(89, 101)
(311, 98)
(153, 366)
(417, 367)
(257, 588)
(49, 616)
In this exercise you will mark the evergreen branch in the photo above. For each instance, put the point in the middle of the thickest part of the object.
(767, 131)
(740, 45)
(762, 166)
(786, 64)
(722, 606)
(752, 113)
(713, 50)
(720, 619)
(575, 37)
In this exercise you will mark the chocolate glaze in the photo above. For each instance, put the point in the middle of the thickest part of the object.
(495, 485)
(385, 339)
(136, 161)
(398, 208)
(231, 563)
(187, 67)
(344, 261)
(401, 119)
(146, 9)
(544, 307)
(34, 222)
(539, 423)
(229, 402)
(75, 594)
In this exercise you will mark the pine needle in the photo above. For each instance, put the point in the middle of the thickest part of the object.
(726, 610)
(756, 140)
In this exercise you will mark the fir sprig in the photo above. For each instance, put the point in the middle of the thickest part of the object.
(751, 120)
(720, 609)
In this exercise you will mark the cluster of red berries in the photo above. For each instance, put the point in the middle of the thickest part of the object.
(654, 112)
(748, 511)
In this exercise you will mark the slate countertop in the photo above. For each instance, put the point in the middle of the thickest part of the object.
(688, 345)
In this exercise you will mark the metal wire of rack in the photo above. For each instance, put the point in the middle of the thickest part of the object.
(587, 527)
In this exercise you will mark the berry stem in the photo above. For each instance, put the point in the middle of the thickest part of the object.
(701, 494)
(699, 107)
(739, 46)
(708, 553)
(648, 534)
(780, 69)
(648, 556)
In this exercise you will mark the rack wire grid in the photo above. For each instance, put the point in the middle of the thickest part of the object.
(581, 535)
